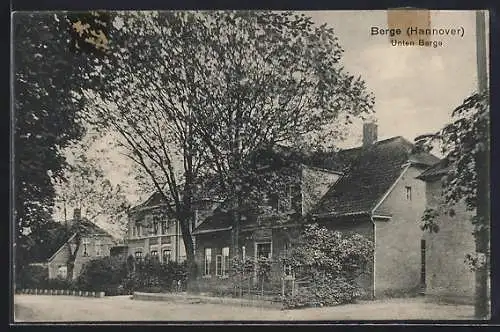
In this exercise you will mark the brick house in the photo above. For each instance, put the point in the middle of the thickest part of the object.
(446, 275)
(372, 190)
(151, 231)
(54, 254)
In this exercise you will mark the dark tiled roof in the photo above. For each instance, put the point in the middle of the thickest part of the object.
(55, 235)
(437, 170)
(369, 176)
(51, 238)
(369, 173)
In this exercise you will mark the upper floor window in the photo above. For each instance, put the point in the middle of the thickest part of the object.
(296, 197)
(85, 243)
(274, 201)
(98, 248)
(408, 193)
(164, 227)
(155, 226)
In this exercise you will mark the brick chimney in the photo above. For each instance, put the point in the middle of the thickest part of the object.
(369, 133)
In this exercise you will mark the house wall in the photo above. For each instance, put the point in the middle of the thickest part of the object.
(215, 241)
(446, 273)
(146, 241)
(397, 241)
(62, 256)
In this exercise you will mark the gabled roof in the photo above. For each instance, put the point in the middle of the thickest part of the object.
(371, 173)
(56, 234)
(436, 171)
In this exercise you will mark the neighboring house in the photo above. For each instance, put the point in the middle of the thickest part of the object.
(57, 249)
(372, 190)
(445, 274)
(152, 232)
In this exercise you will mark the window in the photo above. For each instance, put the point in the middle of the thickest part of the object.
(264, 250)
(288, 270)
(163, 227)
(274, 201)
(296, 197)
(225, 261)
(85, 243)
(218, 265)
(138, 255)
(62, 271)
(408, 193)
(154, 254)
(138, 230)
(155, 226)
(167, 254)
(243, 253)
(422, 264)
(98, 249)
(134, 231)
(208, 260)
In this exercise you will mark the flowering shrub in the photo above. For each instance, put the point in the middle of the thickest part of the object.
(330, 262)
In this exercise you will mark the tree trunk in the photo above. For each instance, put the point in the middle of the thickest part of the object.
(72, 258)
(190, 257)
(481, 307)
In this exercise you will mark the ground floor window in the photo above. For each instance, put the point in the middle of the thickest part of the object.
(167, 255)
(62, 271)
(208, 260)
(138, 255)
(263, 249)
(225, 261)
(218, 265)
(154, 254)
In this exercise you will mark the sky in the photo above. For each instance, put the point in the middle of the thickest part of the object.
(415, 88)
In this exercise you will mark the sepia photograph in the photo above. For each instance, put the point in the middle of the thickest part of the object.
(250, 166)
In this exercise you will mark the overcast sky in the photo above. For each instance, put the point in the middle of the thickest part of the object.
(415, 88)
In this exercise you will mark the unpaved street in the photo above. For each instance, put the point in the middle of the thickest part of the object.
(39, 308)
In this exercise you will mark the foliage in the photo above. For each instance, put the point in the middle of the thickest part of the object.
(103, 274)
(194, 94)
(31, 277)
(330, 262)
(465, 143)
(86, 186)
(48, 117)
(462, 141)
(149, 275)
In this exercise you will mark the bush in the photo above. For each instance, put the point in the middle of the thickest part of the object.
(103, 275)
(32, 277)
(330, 262)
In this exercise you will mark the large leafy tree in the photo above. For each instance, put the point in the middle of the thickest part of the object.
(48, 73)
(195, 94)
(465, 143)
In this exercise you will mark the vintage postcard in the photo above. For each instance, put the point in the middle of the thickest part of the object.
(250, 166)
